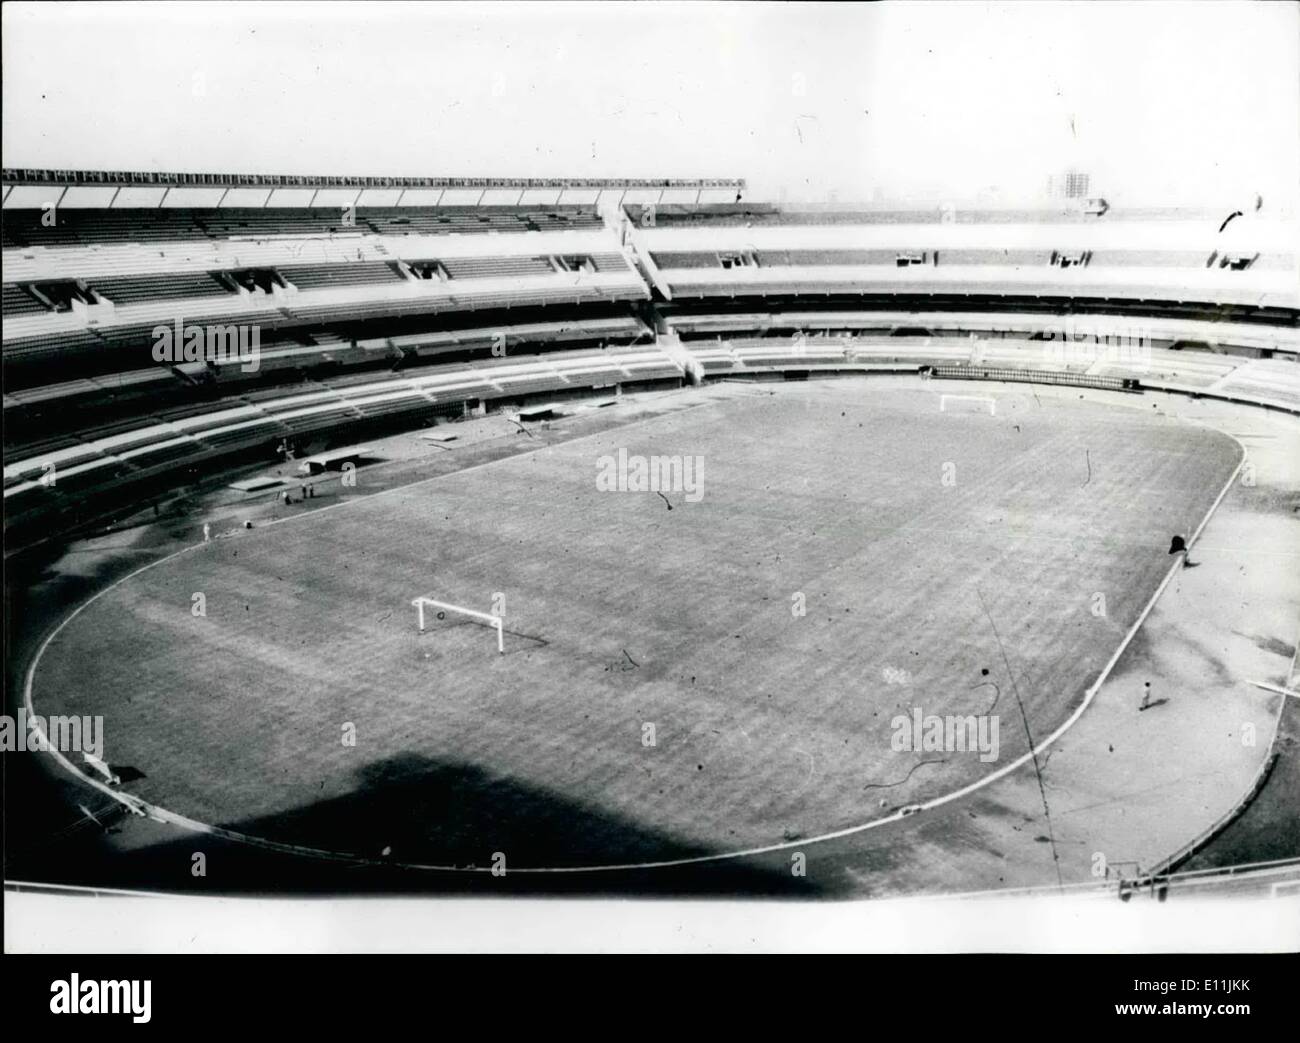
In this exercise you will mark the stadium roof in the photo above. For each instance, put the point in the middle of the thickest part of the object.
(28, 187)
(29, 176)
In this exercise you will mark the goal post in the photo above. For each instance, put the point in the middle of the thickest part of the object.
(420, 604)
(983, 399)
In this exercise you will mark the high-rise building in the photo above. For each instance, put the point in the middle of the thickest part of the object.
(1071, 184)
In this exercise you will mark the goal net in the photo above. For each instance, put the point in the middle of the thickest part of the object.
(430, 613)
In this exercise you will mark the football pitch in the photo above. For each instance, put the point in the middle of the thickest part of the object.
(688, 671)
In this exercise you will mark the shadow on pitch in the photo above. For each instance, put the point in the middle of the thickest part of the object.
(415, 810)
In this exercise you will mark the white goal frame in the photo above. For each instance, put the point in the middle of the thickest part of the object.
(992, 402)
(491, 620)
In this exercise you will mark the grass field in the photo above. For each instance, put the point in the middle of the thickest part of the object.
(621, 613)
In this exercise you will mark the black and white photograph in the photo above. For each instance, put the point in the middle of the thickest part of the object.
(652, 478)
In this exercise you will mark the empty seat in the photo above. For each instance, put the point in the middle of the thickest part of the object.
(73, 227)
(497, 267)
(470, 220)
(130, 289)
(609, 262)
(317, 276)
(18, 301)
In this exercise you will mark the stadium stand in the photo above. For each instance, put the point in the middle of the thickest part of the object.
(17, 301)
(383, 316)
(319, 276)
(1175, 257)
(134, 289)
(498, 267)
(73, 227)
(747, 215)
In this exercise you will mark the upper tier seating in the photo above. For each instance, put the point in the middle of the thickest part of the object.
(1022, 258)
(686, 259)
(753, 215)
(317, 276)
(497, 267)
(1168, 256)
(473, 219)
(135, 289)
(73, 227)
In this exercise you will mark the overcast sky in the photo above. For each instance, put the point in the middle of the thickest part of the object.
(1194, 102)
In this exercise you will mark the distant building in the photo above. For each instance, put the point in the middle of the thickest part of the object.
(1072, 184)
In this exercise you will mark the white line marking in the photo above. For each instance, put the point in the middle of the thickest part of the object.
(160, 814)
(992, 403)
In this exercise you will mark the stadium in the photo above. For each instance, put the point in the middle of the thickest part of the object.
(650, 477)
(628, 535)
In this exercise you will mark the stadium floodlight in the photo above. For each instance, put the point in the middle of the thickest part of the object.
(445, 606)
